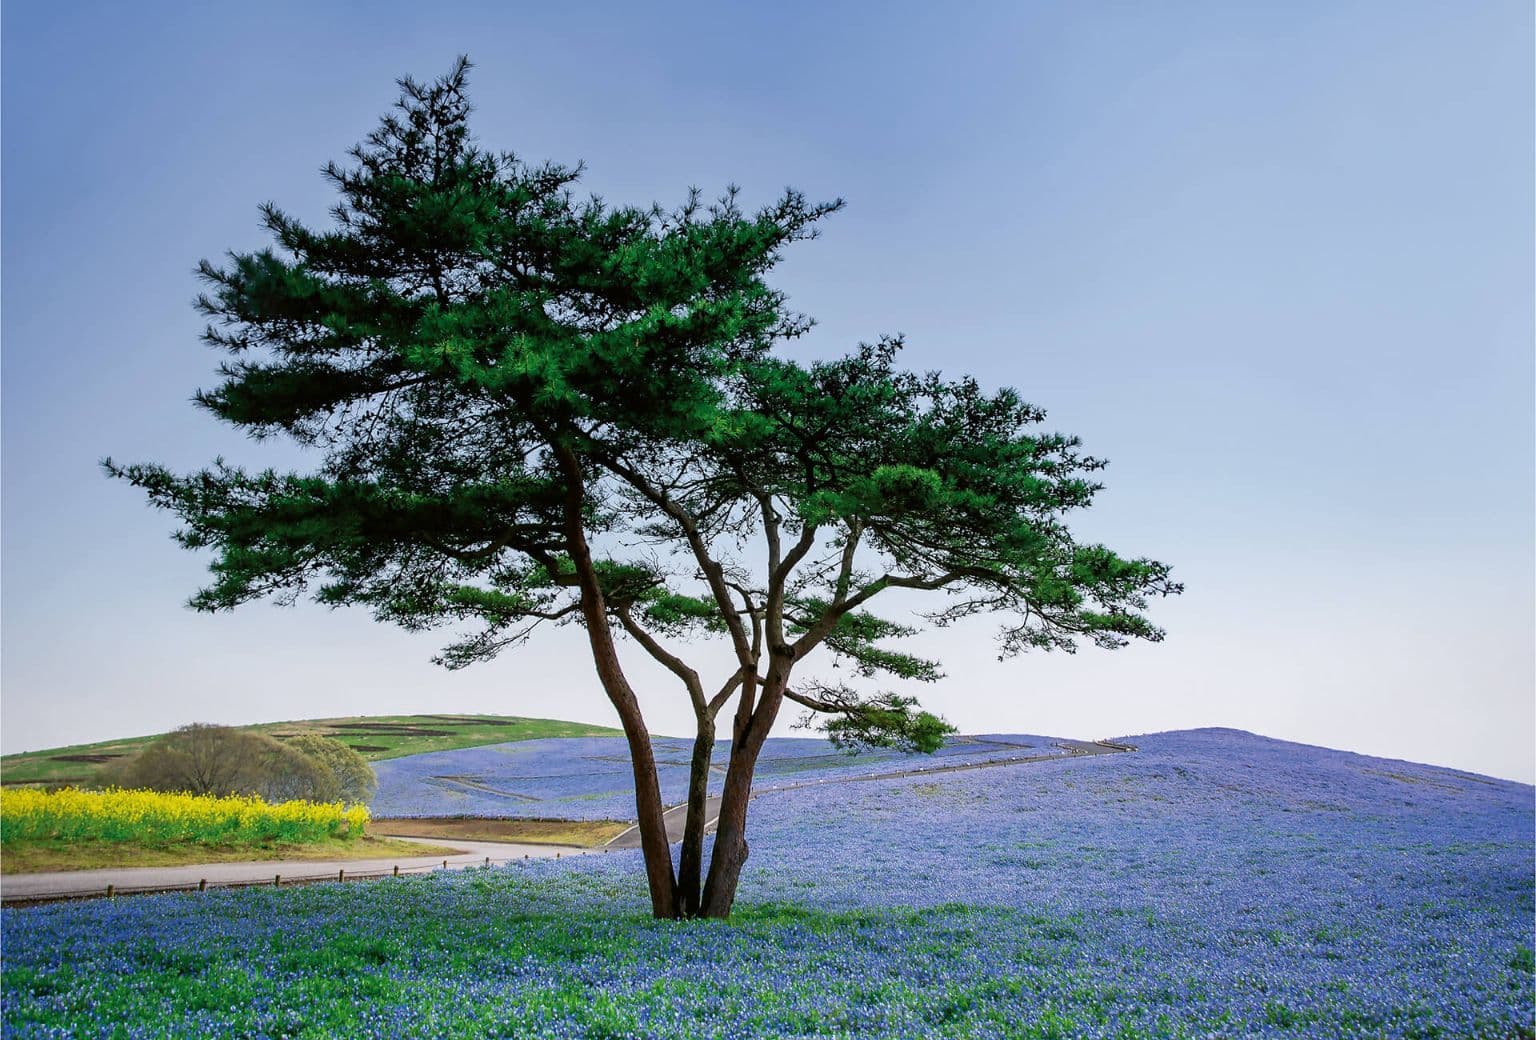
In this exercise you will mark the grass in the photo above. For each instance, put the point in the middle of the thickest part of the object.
(582, 833)
(375, 737)
(43, 856)
(491, 966)
(511, 952)
(1176, 893)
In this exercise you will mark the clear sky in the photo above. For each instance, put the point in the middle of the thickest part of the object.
(1273, 260)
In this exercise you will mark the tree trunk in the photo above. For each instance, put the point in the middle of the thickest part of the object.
(652, 822)
(605, 655)
(730, 853)
(690, 863)
(649, 809)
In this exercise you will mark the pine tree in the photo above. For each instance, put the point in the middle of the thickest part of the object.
(532, 408)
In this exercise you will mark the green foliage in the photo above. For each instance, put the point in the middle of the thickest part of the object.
(350, 773)
(886, 720)
(216, 760)
(531, 409)
(674, 612)
(282, 773)
(856, 637)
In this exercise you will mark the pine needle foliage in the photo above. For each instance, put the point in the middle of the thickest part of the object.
(531, 407)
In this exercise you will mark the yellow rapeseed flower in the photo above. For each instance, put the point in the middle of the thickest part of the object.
(28, 814)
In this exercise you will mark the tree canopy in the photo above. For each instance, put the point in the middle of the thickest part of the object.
(533, 408)
(219, 760)
(350, 772)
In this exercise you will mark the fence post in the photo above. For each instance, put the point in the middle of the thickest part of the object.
(109, 891)
(341, 875)
(397, 870)
(277, 879)
(202, 885)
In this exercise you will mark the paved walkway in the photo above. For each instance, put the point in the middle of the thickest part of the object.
(74, 884)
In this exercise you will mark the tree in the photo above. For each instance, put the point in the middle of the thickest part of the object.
(535, 409)
(352, 775)
(221, 761)
(283, 773)
(197, 759)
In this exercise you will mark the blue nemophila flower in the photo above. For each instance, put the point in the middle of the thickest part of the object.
(589, 778)
(1213, 884)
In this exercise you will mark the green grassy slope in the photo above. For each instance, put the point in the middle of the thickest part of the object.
(374, 736)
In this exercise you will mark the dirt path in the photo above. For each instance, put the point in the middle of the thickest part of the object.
(17, 889)
(676, 816)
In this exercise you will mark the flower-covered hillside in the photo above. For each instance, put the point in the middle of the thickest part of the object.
(588, 778)
(1212, 884)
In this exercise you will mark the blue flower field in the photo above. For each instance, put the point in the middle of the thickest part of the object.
(1210, 884)
(588, 778)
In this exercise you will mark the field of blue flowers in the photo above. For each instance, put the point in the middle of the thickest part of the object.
(589, 778)
(1211, 884)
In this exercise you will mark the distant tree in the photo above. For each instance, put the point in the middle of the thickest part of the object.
(222, 761)
(529, 408)
(351, 772)
(283, 773)
(197, 759)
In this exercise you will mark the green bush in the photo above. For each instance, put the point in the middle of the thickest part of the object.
(351, 772)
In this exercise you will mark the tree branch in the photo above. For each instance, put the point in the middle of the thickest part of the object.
(722, 698)
(714, 573)
(829, 618)
(670, 661)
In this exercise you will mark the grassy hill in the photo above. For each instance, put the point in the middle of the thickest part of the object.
(374, 736)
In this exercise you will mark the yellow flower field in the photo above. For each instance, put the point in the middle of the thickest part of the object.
(151, 816)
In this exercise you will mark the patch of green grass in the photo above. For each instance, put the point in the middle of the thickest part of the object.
(375, 737)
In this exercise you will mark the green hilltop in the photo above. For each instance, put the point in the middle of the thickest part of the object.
(373, 736)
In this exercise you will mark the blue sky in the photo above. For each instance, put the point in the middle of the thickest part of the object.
(1274, 261)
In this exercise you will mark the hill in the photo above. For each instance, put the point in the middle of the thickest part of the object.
(376, 737)
(1211, 883)
(590, 779)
